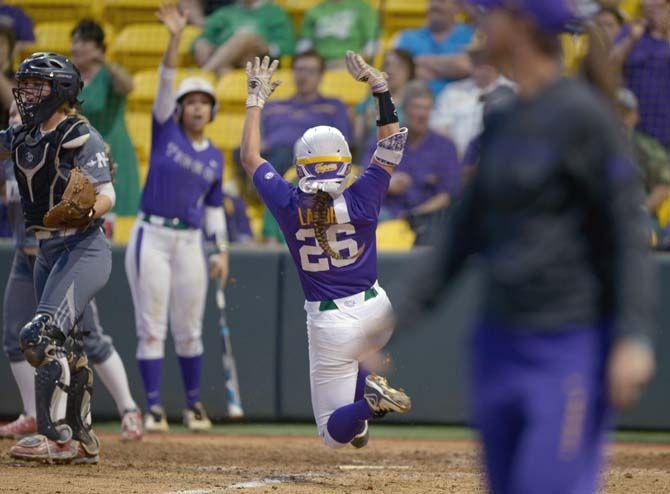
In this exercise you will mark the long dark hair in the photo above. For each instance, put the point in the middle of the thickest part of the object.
(597, 68)
(321, 209)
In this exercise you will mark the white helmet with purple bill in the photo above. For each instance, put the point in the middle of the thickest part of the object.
(322, 160)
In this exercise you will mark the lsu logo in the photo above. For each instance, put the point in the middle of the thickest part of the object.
(325, 168)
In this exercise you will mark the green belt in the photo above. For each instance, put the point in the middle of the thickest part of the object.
(174, 223)
(331, 305)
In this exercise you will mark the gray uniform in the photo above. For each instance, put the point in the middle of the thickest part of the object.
(69, 269)
(19, 303)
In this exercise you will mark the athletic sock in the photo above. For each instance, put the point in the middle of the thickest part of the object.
(360, 382)
(151, 370)
(113, 375)
(349, 420)
(24, 375)
(191, 369)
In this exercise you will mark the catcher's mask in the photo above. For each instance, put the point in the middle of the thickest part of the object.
(59, 73)
(195, 85)
(322, 160)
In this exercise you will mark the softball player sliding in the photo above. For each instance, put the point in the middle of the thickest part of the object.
(19, 306)
(165, 263)
(330, 233)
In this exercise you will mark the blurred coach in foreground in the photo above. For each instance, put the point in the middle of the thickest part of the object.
(554, 213)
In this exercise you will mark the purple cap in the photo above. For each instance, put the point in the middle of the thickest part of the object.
(550, 16)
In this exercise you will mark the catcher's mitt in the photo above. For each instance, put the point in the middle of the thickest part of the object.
(75, 210)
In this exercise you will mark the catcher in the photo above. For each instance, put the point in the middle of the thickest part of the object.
(65, 186)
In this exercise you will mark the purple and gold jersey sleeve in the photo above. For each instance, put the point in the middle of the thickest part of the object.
(276, 192)
(365, 196)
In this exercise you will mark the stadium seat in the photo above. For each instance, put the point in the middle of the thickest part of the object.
(394, 235)
(574, 49)
(146, 84)
(226, 130)
(339, 84)
(55, 10)
(122, 227)
(231, 90)
(632, 8)
(122, 13)
(55, 36)
(139, 128)
(403, 14)
(141, 46)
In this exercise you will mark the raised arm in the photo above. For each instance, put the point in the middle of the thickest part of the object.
(175, 22)
(390, 137)
(259, 88)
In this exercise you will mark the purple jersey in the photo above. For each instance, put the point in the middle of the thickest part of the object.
(181, 180)
(352, 225)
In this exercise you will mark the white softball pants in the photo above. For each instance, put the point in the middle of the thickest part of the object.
(167, 273)
(338, 340)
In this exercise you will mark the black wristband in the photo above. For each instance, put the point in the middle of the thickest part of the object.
(387, 111)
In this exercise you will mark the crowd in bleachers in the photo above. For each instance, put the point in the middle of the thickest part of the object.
(440, 79)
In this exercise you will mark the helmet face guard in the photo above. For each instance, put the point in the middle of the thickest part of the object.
(59, 73)
(327, 173)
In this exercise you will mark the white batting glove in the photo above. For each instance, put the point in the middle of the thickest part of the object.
(364, 72)
(259, 81)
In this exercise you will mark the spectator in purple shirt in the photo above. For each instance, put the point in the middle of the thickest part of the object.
(428, 178)
(14, 18)
(643, 52)
(284, 121)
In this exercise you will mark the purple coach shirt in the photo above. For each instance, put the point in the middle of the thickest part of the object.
(433, 165)
(646, 72)
(284, 122)
(352, 224)
(181, 180)
(15, 19)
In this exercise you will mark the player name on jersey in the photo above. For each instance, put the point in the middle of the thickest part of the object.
(306, 216)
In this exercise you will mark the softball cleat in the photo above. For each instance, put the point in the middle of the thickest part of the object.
(382, 398)
(361, 439)
(195, 418)
(21, 427)
(42, 449)
(131, 425)
(155, 420)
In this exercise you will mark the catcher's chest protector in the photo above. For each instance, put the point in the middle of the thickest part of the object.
(41, 164)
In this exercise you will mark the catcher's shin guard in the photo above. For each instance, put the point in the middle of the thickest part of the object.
(78, 414)
(51, 383)
(40, 339)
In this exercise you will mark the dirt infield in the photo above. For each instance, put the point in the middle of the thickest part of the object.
(214, 464)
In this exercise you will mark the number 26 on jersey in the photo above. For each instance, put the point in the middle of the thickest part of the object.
(314, 259)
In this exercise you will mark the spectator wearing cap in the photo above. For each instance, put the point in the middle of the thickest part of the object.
(106, 86)
(235, 33)
(16, 20)
(650, 155)
(643, 53)
(399, 67)
(334, 26)
(428, 178)
(459, 107)
(284, 121)
(439, 47)
(7, 44)
(610, 20)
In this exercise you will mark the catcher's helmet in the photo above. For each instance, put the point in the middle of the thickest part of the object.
(62, 76)
(322, 160)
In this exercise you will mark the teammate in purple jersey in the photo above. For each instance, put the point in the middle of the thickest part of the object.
(330, 232)
(554, 214)
(165, 262)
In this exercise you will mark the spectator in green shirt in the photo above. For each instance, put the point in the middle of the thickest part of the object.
(235, 33)
(651, 156)
(104, 105)
(334, 26)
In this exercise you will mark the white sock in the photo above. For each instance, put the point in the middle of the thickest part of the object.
(24, 375)
(113, 375)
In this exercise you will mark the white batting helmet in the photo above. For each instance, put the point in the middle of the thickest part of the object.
(196, 85)
(322, 160)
